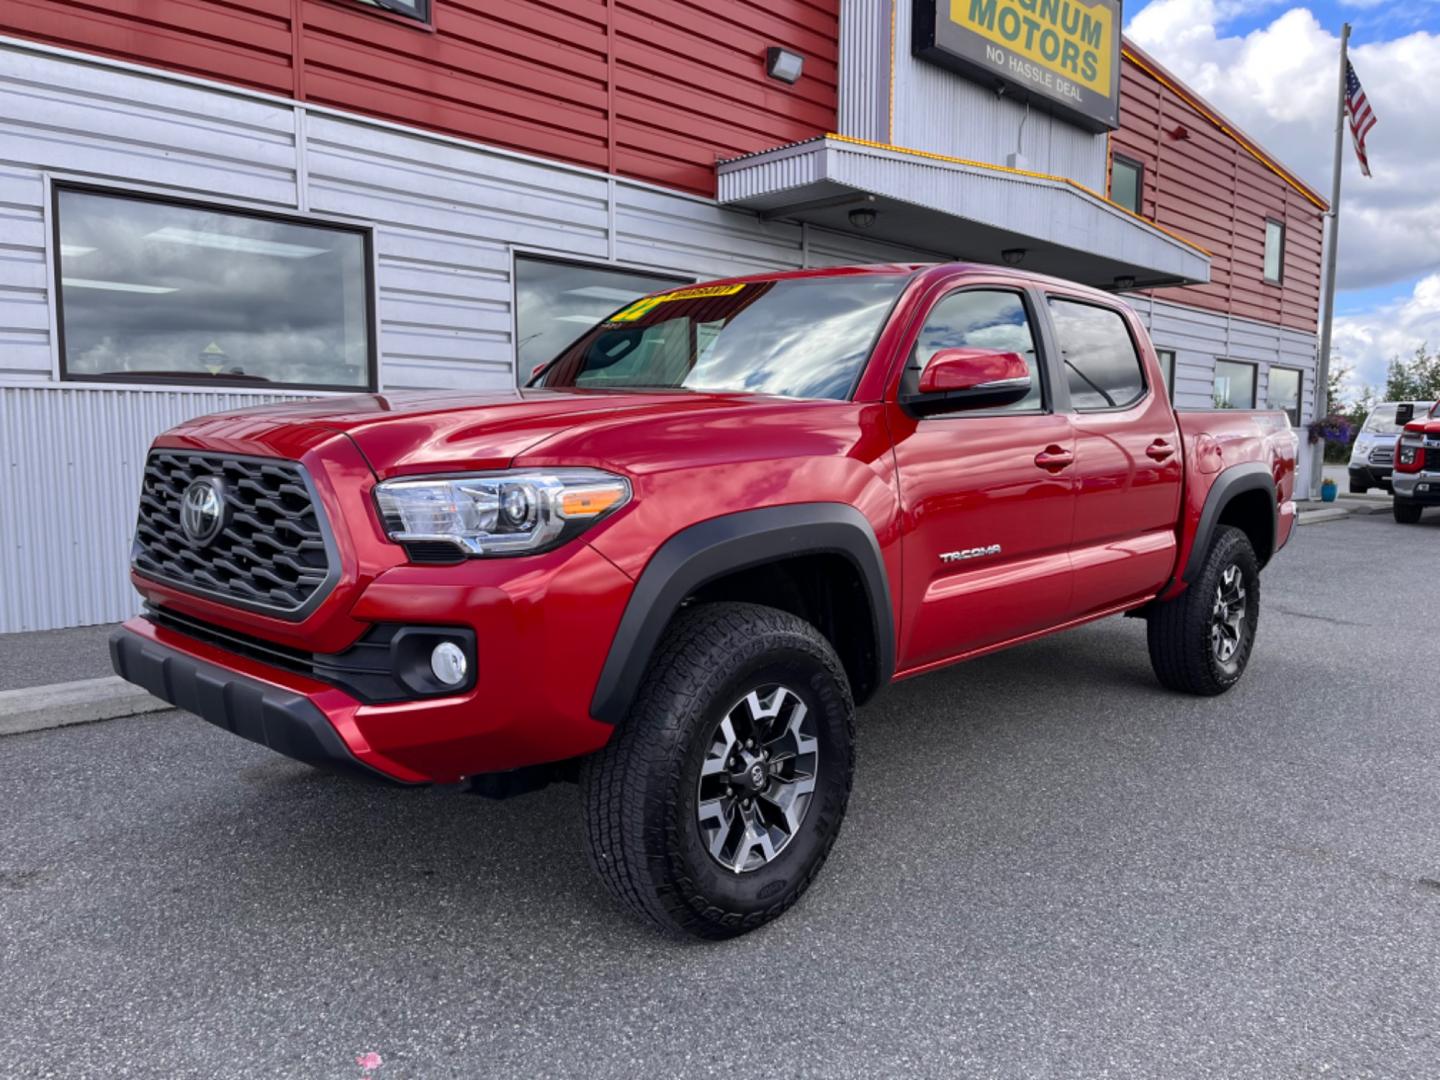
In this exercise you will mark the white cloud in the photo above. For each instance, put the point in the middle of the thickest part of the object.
(1366, 343)
(1278, 82)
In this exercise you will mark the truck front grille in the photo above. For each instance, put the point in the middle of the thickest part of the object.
(271, 551)
(1382, 455)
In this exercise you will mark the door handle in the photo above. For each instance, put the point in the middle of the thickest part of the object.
(1054, 458)
(1159, 450)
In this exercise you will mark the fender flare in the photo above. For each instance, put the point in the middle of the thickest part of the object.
(1236, 480)
(722, 545)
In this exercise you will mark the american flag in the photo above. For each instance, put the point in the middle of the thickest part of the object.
(1362, 117)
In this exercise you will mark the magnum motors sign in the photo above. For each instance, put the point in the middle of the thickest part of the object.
(1062, 54)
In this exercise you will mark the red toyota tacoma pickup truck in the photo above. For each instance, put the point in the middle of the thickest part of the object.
(672, 565)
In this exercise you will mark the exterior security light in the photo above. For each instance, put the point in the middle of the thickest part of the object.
(1125, 281)
(783, 64)
(448, 663)
(862, 218)
(1013, 256)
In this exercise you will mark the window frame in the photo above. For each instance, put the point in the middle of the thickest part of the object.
(1139, 167)
(1279, 279)
(1038, 331)
(1254, 383)
(366, 232)
(1170, 380)
(519, 254)
(1054, 331)
(400, 18)
(1270, 370)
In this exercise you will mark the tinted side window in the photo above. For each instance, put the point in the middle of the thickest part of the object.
(1101, 365)
(979, 319)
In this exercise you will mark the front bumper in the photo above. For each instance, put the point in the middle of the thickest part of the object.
(1422, 487)
(284, 720)
(542, 627)
(1373, 475)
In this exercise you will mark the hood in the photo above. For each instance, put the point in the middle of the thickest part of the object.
(426, 431)
(1423, 427)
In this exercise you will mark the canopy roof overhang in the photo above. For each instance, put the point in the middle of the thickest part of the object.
(963, 209)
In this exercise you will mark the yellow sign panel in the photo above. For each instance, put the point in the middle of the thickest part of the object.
(1062, 54)
(640, 308)
(1074, 39)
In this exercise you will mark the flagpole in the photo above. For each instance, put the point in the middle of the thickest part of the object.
(1327, 303)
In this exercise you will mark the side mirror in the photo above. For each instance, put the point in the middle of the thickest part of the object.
(972, 378)
(1404, 413)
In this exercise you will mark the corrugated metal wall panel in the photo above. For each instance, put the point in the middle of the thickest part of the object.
(865, 69)
(72, 458)
(938, 111)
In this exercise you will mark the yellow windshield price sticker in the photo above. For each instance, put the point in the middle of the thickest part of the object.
(640, 308)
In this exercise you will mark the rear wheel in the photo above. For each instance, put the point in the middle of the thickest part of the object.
(1200, 641)
(714, 805)
(1406, 513)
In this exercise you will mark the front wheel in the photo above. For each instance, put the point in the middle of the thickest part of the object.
(1358, 487)
(1200, 641)
(1406, 513)
(714, 805)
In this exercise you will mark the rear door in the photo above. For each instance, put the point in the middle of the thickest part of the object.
(986, 495)
(1128, 465)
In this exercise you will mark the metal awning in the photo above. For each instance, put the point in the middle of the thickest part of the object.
(965, 209)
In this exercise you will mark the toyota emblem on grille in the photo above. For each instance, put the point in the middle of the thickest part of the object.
(202, 510)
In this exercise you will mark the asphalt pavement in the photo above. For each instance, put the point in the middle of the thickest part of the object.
(1051, 868)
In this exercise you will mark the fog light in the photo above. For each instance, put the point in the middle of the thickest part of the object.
(448, 663)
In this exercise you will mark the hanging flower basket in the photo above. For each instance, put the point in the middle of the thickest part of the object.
(1333, 429)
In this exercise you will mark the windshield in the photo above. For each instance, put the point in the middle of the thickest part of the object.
(1382, 420)
(796, 337)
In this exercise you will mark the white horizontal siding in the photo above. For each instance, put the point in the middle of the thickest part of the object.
(1199, 338)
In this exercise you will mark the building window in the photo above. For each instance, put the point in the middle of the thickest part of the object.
(1101, 364)
(1127, 182)
(1274, 251)
(1234, 385)
(160, 290)
(1167, 369)
(1283, 392)
(556, 302)
(410, 9)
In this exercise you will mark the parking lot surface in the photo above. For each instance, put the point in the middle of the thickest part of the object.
(1051, 868)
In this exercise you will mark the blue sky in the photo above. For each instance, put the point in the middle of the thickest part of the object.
(1270, 65)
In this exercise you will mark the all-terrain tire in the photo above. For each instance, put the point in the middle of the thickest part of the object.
(641, 793)
(1180, 632)
(1406, 513)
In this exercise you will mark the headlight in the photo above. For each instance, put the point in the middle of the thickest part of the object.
(500, 513)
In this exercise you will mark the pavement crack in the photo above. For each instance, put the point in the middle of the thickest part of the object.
(1318, 618)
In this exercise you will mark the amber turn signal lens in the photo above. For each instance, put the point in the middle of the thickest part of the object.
(587, 502)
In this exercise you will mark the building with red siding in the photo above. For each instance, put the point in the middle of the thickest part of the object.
(208, 204)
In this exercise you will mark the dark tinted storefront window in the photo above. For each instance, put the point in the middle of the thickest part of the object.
(1234, 385)
(184, 293)
(1283, 392)
(556, 302)
(1167, 369)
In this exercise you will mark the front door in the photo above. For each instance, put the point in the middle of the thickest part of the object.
(987, 496)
